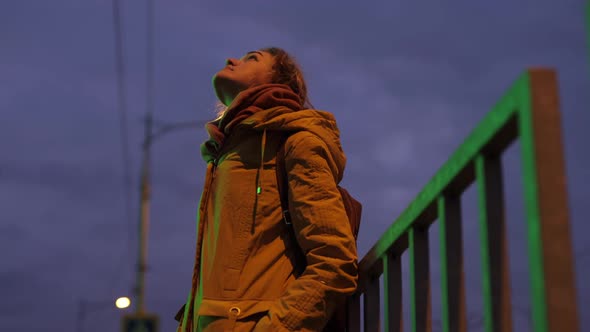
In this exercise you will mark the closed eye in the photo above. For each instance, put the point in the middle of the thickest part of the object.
(252, 55)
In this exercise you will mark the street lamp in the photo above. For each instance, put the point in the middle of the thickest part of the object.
(145, 189)
(84, 307)
(123, 302)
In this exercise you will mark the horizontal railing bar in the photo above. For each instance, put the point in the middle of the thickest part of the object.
(528, 109)
(376, 269)
(494, 132)
(467, 176)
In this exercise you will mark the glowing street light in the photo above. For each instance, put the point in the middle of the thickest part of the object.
(85, 307)
(123, 302)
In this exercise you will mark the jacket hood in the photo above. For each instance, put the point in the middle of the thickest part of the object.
(320, 123)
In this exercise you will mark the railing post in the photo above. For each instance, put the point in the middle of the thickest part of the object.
(419, 280)
(354, 313)
(551, 269)
(528, 110)
(372, 319)
(494, 246)
(392, 280)
(451, 264)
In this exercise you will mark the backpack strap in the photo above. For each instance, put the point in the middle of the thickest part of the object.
(299, 259)
(283, 181)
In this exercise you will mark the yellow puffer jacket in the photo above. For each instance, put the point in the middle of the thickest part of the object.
(244, 269)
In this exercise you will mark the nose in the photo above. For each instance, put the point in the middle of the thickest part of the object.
(231, 61)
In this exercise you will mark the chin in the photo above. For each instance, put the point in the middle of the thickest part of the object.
(222, 85)
(219, 77)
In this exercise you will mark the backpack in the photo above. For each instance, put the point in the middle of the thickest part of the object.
(339, 320)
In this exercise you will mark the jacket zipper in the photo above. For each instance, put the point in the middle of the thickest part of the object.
(212, 177)
(203, 219)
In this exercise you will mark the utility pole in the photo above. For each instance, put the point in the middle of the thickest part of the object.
(145, 180)
(144, 214)
(145, 198)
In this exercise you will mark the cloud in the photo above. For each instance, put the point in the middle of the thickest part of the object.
(396, 196)
(407, 83)
(396, 150)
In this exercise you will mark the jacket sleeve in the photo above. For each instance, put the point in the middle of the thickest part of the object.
(323, 232)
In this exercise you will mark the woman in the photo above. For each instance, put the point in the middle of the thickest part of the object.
(245, 276)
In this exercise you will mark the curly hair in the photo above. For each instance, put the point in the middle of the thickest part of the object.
(287, 71)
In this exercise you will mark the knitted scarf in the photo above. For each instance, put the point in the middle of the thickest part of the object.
(246, 103)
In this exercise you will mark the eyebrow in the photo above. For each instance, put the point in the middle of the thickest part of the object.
(254, 52)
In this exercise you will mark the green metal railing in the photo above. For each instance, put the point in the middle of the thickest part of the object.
(529, 112)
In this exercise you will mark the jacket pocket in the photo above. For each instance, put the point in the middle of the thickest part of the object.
(237, 316)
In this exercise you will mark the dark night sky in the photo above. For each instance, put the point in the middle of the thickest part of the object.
(406, 81)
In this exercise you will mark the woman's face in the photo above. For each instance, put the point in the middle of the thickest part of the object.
(252, 69)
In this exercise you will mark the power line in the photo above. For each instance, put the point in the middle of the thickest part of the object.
(150, 54)
(144, 214)
(124, 134)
